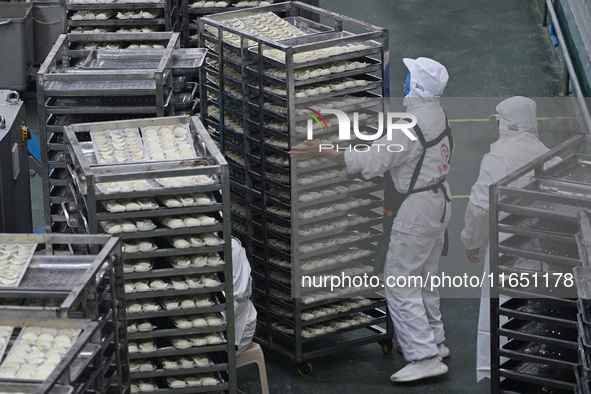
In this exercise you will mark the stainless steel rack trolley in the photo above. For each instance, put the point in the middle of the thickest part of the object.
(69, 281)
(173, 218)
(533, 252)
(80, 82)
(261, 68)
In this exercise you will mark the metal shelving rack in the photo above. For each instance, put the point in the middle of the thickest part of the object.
(533, 265)
(166, 19)
(73, 280)
(70, 94)
(255, 138)
(85, 175)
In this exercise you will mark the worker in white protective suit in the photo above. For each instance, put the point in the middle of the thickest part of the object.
(245, 315)
(417, 210)
(518, 145)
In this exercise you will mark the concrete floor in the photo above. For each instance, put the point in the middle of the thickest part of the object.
(492, 50)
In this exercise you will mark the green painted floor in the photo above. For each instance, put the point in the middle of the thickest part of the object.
(492, 49)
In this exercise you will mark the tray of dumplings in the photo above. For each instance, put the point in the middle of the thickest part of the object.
(200, 260)
(316, 330)
(330, 53)
(324, 228)
(201, 361)
(267, 26)
(208, 302)
(206, 6)
(335, 243)
(14, 261)
(343, 258)
(36, 352)
(549, 250)
(129, 59)
(321, 90)
(118, 146)
(168, 142)
(172, 284)
(130, 205)
(204, 380)
(321, 72)
(188, 221)
(144, 185)
(200, 381)
(195, 241)
(330, 210)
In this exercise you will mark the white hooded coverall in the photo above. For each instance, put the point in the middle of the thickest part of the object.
(517, 146)
(417, 234)
(245, 314)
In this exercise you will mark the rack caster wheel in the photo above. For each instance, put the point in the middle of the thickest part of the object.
(387, 346)
(305, 369)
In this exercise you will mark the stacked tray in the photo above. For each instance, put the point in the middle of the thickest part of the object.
(127, 76)
(170, 215)
(293, 216)
(533, 262)
(192, 10)
(70, 281)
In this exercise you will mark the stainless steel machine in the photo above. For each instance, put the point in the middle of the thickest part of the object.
(15, 192)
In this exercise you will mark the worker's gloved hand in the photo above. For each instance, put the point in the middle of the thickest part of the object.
(471, 254)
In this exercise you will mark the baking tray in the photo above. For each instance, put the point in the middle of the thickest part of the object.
(94, 134)
(550, 334)
(575, 168)
(183, 98)
(24, 266)
(540, 224)
(189, 139)
(374, 65)
(561, 188)
(545, 374)
(17, 343)
(6, 339)
(371, 48)
(540, 353)
(188, 59)
(547, 250)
